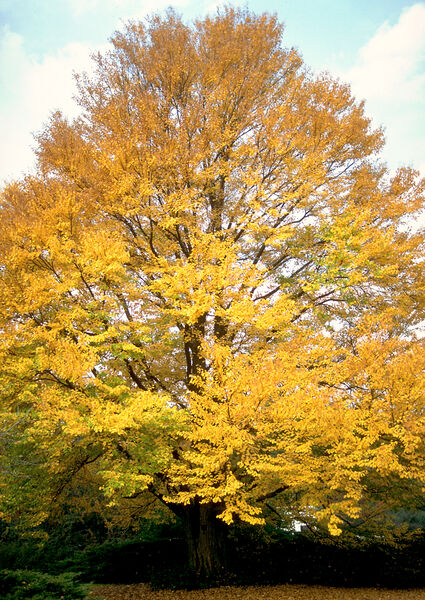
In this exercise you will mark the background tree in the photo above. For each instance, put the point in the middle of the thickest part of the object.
(209, 290)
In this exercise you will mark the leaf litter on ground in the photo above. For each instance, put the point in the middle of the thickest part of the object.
(142, 591)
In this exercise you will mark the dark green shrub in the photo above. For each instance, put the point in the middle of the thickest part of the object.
(130, 561)
(33, 585)
(20, 554)
(257, 556)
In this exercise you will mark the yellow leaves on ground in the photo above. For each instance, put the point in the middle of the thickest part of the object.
(281, 592)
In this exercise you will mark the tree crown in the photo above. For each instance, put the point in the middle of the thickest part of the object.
(207, 291)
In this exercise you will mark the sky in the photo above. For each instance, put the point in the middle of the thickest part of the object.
(378, 46)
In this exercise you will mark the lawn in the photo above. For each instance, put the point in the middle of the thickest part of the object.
(281, 592)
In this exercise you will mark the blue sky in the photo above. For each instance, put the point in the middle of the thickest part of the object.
(376, 45)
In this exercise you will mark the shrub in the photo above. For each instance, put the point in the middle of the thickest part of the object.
(129, 561)
(34, 585)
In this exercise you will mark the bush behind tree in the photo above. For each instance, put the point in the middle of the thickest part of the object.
(262, 555)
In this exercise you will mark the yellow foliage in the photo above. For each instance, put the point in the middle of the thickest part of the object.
(207, 286)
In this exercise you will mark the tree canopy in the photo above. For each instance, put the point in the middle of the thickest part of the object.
(209, 289)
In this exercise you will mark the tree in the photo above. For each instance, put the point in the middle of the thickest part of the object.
(209, 289)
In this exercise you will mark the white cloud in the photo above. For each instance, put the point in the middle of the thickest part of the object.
(389, 72)
(390, 75)
(31, 90)
(392, 56)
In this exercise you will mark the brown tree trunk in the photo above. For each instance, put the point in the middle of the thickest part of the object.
(205, 535)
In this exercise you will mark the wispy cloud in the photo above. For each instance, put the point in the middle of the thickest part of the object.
(390, 74)
(31, 87)
(31, 90)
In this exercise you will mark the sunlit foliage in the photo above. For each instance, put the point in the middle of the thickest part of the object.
(209, 289)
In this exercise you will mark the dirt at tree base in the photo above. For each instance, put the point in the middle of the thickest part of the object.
(142, 591)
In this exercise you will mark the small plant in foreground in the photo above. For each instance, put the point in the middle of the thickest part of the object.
(34, 585)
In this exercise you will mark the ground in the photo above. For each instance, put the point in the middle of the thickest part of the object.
(281, 592)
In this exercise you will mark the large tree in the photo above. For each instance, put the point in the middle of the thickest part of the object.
(209, 290)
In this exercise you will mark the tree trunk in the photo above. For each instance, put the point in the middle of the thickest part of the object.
(205, 536)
